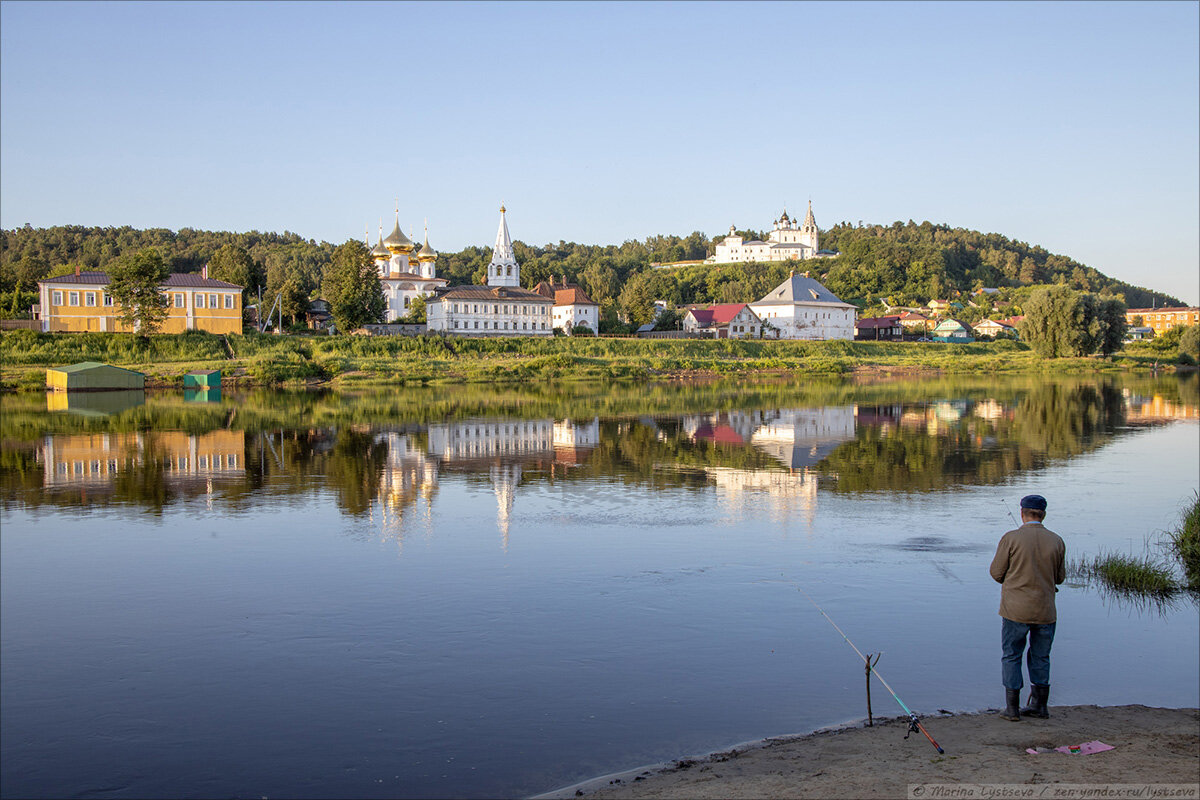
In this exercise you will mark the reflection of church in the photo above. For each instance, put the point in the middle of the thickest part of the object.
(501, 448)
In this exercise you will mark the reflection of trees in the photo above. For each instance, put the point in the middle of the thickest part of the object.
(354, 469)
(1051, 421)
(142, 480)
(1062, 421)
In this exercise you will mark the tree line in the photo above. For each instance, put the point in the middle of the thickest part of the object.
(877, 266)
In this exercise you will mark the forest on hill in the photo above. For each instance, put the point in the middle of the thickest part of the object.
(878, 265)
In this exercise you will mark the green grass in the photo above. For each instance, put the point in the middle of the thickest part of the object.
(432, 359)
(1129, 574)
(1184, 543)
(1151, 576)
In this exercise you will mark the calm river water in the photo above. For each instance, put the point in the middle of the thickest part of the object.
(481, 592)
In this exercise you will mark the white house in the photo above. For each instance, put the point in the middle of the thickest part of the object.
(500, 308)
(406, 272)
(572, 306)
(787, 241)
(801, 308)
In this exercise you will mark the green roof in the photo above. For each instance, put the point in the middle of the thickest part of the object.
(86, 365)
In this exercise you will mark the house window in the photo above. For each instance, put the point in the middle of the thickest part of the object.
(180, 300)
(476, 324)
(73, 298)
(456, 323)
(89, 298)
(212, 301)
(108, 300)
(229, 301)
(407, 301)
(199, 300)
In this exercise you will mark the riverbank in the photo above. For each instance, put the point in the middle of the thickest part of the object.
(352, 361)
(1150, 746)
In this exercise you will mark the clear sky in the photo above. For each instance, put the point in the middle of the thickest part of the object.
(1074, 126)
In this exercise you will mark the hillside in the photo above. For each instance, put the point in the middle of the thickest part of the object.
(906, 263)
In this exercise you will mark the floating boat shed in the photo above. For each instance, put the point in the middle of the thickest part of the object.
(92, 376)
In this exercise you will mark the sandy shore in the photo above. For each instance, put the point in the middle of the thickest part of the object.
(1152, 746)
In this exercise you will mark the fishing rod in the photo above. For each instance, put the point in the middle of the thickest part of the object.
(914, 724)
(1010, 514)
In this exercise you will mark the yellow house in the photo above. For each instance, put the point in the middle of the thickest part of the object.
(1163, 319)
(81, 302)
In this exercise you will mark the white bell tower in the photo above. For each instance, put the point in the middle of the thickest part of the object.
(504, 269)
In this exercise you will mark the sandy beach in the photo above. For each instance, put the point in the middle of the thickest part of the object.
(1151, 746)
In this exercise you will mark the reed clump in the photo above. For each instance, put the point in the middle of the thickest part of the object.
(1154, 573)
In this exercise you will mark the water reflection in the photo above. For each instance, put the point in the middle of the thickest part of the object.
(375, 463)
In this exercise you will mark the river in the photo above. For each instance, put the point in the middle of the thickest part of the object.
(489, 592)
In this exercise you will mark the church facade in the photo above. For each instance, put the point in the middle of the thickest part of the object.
(498, 308)
(788, 240)
(406, 271)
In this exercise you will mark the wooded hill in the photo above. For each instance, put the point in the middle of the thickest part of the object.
(904, 263)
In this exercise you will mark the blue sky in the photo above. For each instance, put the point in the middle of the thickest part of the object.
(1075, 126)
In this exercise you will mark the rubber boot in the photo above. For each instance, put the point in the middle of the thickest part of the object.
(1038, 697)
(1012, 699)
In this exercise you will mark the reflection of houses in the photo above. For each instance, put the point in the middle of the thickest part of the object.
(802, 437)
(785, 492)
(573, 441)
(507, 447)
(96, 460)
(1141, 409)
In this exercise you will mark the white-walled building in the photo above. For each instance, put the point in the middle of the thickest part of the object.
(572, 306)
(801, 308)
(406, 272)
(787, 241)
(499, 308)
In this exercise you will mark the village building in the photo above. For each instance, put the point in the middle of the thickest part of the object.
(725, 321)
(801, 308)
(879, 328)
(499, 308)
(572, 306)
(951, 330)
(993, 329)
(787, 241)
(1162, 320)
(915, 323)
(82, 302)
(406, 271)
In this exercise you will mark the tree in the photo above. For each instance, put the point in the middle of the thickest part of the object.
(1189, 341)
(416, 311)
(135, 283)
(352, 289)
(1060, 322)
(234, 265)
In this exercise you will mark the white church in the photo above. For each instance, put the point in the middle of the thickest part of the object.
(499, 308)
(406, 272)
(787, 241)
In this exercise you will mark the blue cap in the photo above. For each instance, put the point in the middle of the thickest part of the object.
(1034, 501)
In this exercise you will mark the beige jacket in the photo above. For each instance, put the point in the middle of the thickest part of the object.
(1029, 563)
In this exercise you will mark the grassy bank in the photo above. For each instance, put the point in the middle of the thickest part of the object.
(345, 361)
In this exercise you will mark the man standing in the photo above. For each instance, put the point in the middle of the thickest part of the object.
(1030, 562)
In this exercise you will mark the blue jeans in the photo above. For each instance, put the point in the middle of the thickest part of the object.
(1012, 638)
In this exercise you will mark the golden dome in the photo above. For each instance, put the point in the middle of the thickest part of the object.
(396, 241)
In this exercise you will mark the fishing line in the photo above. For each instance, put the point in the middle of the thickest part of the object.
(914, 724)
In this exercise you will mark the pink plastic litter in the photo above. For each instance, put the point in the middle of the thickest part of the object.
(1085, 749)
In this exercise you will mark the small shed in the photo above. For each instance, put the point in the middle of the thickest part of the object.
(92, 376)
(203, 379)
